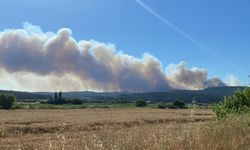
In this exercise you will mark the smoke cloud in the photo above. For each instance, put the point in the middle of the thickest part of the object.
(31, 59)
(180, 77)
(232, 80)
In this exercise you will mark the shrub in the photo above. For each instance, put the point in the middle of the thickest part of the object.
(7, 101)
(179, 104)
(75, 101)
(170, 105)
(18, 106)
(236, 104)
(140, 103)
(162, 106)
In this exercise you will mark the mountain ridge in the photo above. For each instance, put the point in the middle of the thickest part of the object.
(208, 95)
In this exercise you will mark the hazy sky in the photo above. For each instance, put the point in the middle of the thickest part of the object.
(218, 33)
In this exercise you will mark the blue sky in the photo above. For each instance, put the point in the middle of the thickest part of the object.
(222, 26)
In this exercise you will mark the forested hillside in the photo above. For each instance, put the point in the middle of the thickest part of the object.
(203, 96)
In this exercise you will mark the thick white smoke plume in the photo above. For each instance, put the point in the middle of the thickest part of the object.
(180, 77)
(232, 80)
(31, 59)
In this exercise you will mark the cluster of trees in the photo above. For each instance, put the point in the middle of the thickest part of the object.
(140, 103)
(173, 105)
(59, 100)
(7, 101)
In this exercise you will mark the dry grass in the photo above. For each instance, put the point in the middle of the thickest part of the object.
(121, 129)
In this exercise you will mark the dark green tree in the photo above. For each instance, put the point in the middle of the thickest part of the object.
(60, 100)
(51, 100)
(7, 101)
(140, 103)
(179, 104)
(2, 98)
(56, 98)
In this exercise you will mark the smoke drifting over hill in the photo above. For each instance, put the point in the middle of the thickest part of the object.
(31, 59)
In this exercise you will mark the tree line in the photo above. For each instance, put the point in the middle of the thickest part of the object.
(58, 99)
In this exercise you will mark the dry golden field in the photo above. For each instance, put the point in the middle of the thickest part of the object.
(125, 129)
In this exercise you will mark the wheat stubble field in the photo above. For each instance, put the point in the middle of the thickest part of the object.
(126, 129)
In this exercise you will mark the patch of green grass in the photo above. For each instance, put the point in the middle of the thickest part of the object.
(24, 105)
(37, 105)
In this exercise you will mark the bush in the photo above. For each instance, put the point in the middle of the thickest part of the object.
(179, 104)
(7, 101)
(236, 104)
(162, 106)
(18, 106)
(75, 101)
(140, 103)
(170, 106)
